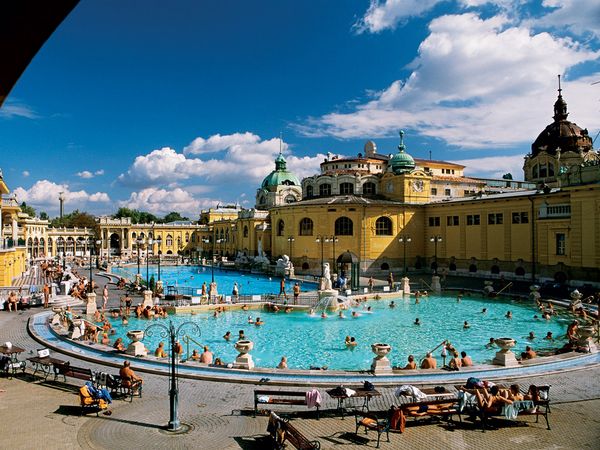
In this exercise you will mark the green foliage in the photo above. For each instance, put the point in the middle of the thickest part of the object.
(77, 219)
(137, 216)
(27, 210)
(507, 176)
(174, 216)
(43, 215)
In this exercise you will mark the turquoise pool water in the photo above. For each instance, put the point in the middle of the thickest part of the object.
(194, 276)
(312, 341)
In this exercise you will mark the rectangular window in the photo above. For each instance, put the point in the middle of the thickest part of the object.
(434, 221)
(433, 191)
(452, 220)
(495, 219)
(447, 192)
(561, 244)
(474, 219)
(520, 217)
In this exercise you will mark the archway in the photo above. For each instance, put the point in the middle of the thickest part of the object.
(115, 244)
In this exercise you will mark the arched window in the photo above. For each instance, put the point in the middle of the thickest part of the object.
(385, 266)
(305, 266)
(245, 231)
(280, 227)
(534, 171)
(472, 268)
(520, 272)
(179, 242)
(543, 170)
(343, 227)
(550, 169)
(133, 235)
(383, 226)
(306, 227)
(495, 269)
(346, 188)
(324, 190)
(169, 240)
(309, 191)
(368, 188)
(187, 237)
(452, 267)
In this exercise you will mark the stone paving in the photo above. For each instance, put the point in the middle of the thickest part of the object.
(36, 414)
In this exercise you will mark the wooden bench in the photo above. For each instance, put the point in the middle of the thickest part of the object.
(288, 433)
(67, 370)
(280, 398)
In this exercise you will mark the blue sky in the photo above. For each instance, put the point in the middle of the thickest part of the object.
(178, 106)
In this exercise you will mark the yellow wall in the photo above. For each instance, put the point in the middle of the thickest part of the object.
(12, 265)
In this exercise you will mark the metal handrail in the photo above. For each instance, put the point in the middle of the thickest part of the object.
(187, 340)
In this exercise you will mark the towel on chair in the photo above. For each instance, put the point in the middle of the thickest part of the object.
(313, 398)
(408, 390)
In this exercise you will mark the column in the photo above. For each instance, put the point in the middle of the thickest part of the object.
(15, 231)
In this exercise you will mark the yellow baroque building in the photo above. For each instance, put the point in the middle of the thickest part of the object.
(12, 246)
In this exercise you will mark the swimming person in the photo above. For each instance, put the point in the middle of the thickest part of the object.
(466, 325)
(417, 321)
(227, 336)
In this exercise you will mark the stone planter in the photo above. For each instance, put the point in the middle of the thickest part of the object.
(244, 359)
(505, 344)
(135, 335)
(585, 338)
(381, 363)
(505, 357)
(381, 350)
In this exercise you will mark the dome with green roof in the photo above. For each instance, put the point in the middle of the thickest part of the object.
(402, 162)
(280, 175)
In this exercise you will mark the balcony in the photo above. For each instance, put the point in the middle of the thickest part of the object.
(554, 211)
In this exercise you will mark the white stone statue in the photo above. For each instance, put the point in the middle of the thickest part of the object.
(326, 278)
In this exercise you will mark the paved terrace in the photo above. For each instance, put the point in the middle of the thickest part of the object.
(36, 413)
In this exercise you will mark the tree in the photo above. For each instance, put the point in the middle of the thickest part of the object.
(174, 216)
(27, 210)
(75, 219)
(43, 215)
(507, 176)
(136, 216)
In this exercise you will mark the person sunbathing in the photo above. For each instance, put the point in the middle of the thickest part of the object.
(412, 365)
(118, 345)
(492, 401)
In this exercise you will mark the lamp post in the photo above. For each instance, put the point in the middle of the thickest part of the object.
(138, 241)
(321, 240)
(334, 239)
(91, 245)
(159, 243)
(172, 333)
(404, 239)
(435, 240)
(291, 241)
(149, 243)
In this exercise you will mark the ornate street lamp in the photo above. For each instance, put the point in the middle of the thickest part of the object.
(404, 239)
(139, 242)
(172, 334)
(149, 243)
(91, 245)
(290, 241)
(159, 243)
(321, 240)
(333, 240)
(435, 240)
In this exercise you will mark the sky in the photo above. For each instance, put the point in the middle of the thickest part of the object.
(179, 106)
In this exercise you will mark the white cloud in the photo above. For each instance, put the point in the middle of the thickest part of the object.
(387, 14)
(99, 172)
(12, 109)
(25, 173)
(162, 201)
(45, 194)
(580, 16)
(475, 83)
(217, 143)
(493, 166)
(245, 158)
(86, 174)
(160, 167)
